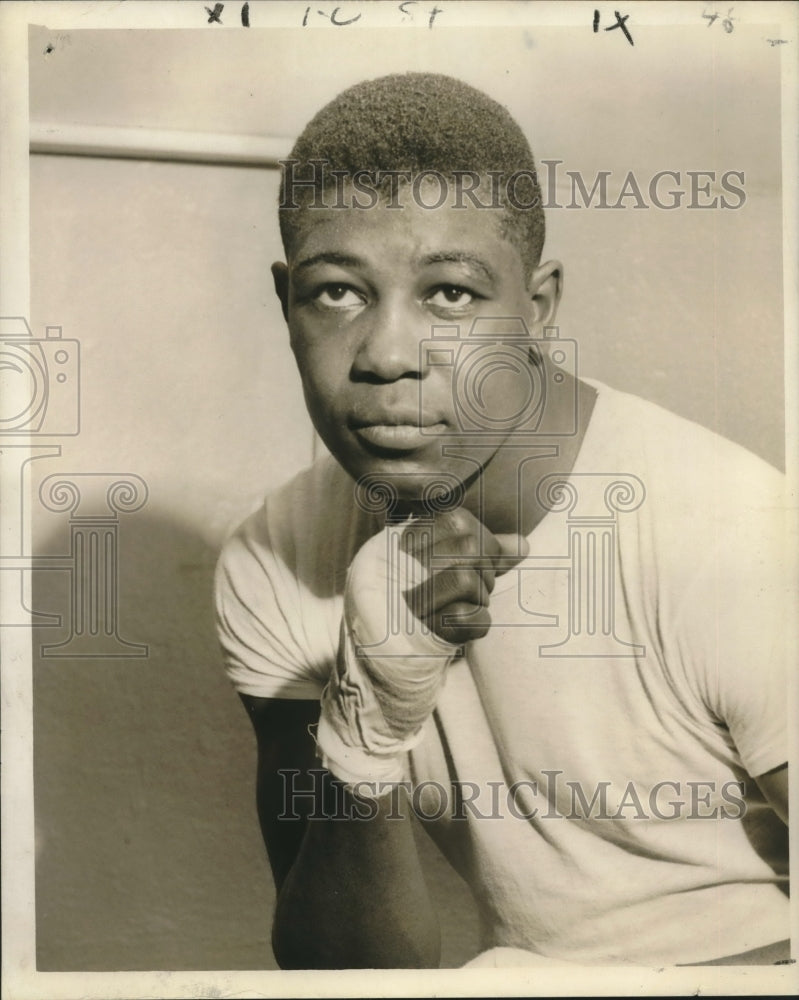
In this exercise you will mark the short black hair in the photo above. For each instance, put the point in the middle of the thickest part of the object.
(420, 122)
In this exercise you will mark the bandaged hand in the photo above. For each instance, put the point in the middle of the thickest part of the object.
(415, 593)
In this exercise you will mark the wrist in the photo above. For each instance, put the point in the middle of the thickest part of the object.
(360, 767)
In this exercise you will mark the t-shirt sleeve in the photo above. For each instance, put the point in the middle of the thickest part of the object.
(734, 623)
(260, 617)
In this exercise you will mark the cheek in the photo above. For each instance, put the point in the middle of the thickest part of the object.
(494, 387)
(323, 366)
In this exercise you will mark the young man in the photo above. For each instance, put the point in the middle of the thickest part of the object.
(540, 614)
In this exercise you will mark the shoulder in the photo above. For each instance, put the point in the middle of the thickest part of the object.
(299, 543)
(279, 581)
(691, 464)
(706, 560)
(705, 506)
(298, 518)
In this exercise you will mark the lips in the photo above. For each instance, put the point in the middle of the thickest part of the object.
(397, 430)
(398, 437)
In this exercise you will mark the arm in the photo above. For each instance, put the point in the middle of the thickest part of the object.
(350, 888)
(774, 786)
(350, 891)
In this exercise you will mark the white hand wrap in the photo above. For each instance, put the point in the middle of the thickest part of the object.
(389, 671)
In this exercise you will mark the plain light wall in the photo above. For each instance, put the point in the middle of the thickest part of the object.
(149, 851)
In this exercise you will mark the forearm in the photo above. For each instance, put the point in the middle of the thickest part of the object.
(350, 890)
(355, 896)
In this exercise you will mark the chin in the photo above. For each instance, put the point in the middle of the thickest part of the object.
(402, 486)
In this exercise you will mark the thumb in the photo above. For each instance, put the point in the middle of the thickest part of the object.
(513, 548)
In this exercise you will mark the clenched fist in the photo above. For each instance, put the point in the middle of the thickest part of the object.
(415, 593)
(462, 559)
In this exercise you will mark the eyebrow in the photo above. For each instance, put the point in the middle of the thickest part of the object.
(329, 257)
(437, 257)
(459, 257)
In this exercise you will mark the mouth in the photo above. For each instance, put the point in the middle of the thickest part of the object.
(392, 436)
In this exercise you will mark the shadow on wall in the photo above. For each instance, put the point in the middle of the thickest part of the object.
(148, 849)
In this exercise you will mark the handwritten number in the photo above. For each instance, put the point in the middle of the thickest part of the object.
(337, 17)
(726, 23)
(333, 20)
(620, 23)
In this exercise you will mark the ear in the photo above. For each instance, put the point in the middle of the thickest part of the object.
(544, 287)
(280, 275)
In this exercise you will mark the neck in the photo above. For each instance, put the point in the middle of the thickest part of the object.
(504, 495)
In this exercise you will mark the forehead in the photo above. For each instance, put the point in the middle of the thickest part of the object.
(409, 235)
(407, 232)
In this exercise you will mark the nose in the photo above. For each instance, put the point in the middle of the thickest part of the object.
(391, 344)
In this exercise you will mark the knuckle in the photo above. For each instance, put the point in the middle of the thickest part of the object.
(417, 600)
(463, 621)
(452, 523)
(468, 544)
(479, 631)
(458, 545)
(464, 580)
(491, 544)
(460, 518)
(415, 542)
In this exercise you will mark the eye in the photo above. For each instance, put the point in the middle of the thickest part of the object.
(334, 296)
(451, 297)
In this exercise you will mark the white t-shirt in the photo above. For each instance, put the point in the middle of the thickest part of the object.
(634, 676)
